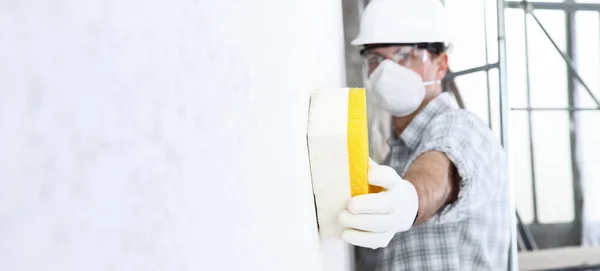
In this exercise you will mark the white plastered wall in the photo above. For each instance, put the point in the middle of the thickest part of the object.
(162, 135)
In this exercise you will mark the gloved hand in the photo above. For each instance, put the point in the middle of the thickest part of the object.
(373, 219)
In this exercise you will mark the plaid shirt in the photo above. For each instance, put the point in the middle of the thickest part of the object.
(473, 233)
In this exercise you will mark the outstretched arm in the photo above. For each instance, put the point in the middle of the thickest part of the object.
(436, 181)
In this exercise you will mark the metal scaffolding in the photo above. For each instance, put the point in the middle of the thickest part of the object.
(522, 237)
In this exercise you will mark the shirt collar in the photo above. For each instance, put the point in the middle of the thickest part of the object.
(411, 136)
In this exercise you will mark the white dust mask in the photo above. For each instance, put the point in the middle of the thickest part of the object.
(397, 89)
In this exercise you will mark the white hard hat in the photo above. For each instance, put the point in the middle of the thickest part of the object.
(404, 21)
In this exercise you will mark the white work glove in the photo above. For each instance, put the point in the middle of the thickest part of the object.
(372, 220)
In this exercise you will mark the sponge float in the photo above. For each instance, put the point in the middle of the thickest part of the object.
(338, 147)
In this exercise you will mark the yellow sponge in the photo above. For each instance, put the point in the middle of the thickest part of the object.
(358, 141)
(339, 153)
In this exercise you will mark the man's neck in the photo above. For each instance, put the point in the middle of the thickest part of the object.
(400, 123)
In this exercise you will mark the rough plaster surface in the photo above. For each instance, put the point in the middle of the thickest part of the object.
(162, 135)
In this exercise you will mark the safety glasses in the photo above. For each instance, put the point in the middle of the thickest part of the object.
(408, 56)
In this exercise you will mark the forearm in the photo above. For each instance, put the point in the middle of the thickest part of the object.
(436, 185)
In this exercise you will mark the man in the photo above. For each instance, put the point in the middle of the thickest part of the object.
(446, 199)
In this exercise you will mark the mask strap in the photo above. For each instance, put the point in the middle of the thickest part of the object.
(430, 83)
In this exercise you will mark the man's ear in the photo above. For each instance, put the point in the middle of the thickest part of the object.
(442, 61)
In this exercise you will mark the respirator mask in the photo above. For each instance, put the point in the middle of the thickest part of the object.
(397, 89)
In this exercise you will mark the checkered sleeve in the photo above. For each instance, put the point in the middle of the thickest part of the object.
(471, 147)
